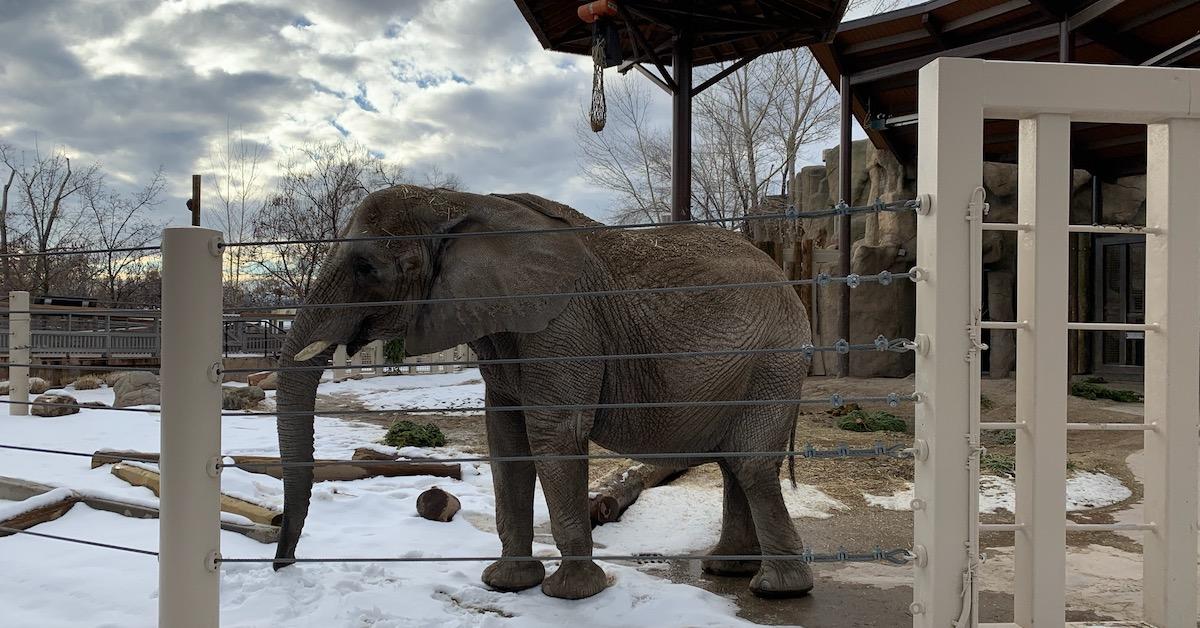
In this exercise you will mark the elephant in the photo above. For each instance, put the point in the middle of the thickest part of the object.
(431, 251)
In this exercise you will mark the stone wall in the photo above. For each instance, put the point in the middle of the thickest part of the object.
(887, 241)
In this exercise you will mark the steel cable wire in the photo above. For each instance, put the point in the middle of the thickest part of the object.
(878, 206)
(898, 556)
(68, 539)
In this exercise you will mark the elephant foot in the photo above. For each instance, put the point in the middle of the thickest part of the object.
(505, 575)
(575, 580)
(732, 567)
(778, 578)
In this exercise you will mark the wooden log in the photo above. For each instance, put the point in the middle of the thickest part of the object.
(38, 509)
(139, 476)
(366, 453)
(437, 505)
(15, 489)
(612, 494)
(347, 470)
(112, 456)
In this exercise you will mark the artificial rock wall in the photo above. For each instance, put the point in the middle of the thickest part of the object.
(887, 241)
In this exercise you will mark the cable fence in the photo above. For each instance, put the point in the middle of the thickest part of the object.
(192, 369)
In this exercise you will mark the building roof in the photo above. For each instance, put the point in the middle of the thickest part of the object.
(722, 31)
(882, 54)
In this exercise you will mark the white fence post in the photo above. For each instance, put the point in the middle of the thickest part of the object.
(1044, 175)
(950, 140)
(189, 524)
(20, 340)
(1172, 370)
(377, 357)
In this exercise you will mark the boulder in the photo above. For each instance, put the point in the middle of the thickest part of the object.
(266, 380)
(88, 382)
(39, 409)
(241, 397)
(38, 385)
(135, 388)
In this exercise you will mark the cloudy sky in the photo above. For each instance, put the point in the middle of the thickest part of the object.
(134, 84)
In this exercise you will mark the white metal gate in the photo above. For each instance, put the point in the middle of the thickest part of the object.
(956, 96)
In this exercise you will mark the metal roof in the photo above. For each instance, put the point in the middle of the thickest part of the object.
(882, 53)
(721, 31)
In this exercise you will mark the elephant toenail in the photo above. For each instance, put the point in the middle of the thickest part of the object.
(765, 585)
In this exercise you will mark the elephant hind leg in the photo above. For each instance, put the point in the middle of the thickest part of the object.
(777, 535)
(738, 536)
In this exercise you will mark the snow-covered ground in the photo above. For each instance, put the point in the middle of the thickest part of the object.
(50, 583)
(1085, 490)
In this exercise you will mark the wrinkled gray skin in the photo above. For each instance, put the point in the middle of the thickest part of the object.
(755, 520)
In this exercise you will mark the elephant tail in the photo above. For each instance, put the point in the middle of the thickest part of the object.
(792, 449)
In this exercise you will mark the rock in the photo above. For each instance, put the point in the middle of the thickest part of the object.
(266, 380)
(241, 397)
(38, 385)
(88, 382)
(437, 505)
(135, 388)
(52, 411)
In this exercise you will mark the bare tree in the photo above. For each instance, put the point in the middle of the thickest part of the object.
(45, 184)
(319, 186)
(12, 173)
(121, 224)
(750, 132)
(238, 168)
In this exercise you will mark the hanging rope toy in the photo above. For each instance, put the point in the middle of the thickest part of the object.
(606, 52)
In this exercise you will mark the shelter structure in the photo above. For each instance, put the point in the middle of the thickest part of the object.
(874, 61)
(681, 34)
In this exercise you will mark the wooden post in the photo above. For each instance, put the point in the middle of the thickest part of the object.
(845, 195)
(195, 204)
(681, 129)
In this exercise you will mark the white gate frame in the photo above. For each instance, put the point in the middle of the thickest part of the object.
(956, 96)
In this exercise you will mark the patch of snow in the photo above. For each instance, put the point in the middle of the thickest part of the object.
(448, 390)
(678, 519)
(900, 500)
(1084, 491)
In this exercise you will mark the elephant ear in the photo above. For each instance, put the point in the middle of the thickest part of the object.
(484, 266)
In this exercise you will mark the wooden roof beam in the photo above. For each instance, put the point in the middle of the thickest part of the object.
(977, 49)
(1176, 53)
(1093, 11)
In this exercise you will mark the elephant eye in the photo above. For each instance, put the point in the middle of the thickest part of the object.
(363, 268)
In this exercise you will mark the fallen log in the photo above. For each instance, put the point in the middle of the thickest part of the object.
(326, 471)
(37, 509)
(612, 494)
(112, 456)
(139, 476)
(347, 470)
(15, 489)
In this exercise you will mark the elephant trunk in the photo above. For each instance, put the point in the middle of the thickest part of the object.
(297, 391)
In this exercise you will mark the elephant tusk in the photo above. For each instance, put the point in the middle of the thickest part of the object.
(312, 350)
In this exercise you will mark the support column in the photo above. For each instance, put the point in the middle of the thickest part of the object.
(1044, 189)
(20, 339)
(681, 128)
(844, 237)
(950, 142)
(190, 520)
(1172, 370)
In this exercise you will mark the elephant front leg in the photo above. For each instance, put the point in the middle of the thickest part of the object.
(514, 483)
(564, 483)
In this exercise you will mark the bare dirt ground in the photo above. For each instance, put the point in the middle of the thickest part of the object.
(1104, 568)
